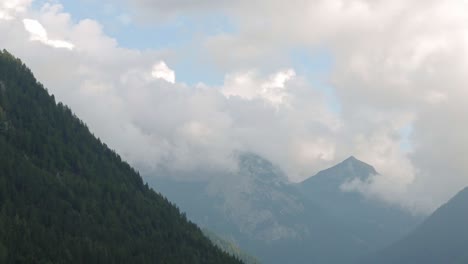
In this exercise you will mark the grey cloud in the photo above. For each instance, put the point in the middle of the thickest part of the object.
(396, 64)
(154, 124)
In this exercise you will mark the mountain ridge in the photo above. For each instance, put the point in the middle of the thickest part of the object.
(279, 221)
(352, 164)
(441, 238)
(374, 222)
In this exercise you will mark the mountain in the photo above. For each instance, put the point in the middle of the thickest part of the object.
(282, 222)
(326, 184)
(65, 197)
(244, 203)
(230, 247)
(372, 222)
(441, 238)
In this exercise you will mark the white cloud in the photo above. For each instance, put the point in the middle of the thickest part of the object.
(395, 64)
(161, 71)
(39, 33)
(246, 85)
(435, 97)
(9, 9)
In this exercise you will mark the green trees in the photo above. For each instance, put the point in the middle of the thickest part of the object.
(65, 197)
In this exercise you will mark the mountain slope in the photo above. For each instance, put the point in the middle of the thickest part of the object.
(372, 222)
(65, 197)
(230, 247)
(442, 238)
(263, 212)
(282, 222)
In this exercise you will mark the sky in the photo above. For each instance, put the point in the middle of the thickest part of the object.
(181, 85)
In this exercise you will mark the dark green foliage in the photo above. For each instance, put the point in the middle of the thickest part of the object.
(65, 197)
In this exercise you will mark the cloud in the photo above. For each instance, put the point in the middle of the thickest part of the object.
(38, 33)
(396, 64)
(9, 9)
(246, 86)
(161, 71)
(132, 101)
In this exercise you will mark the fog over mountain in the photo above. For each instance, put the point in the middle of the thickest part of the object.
(304, 85)
(260, 210)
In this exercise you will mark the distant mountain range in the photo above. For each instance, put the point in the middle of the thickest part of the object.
(283, 222)
(441, 238)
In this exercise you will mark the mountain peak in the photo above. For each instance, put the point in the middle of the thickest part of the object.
(353, 164)
(351, 159)
(348, 169)
(263, 170)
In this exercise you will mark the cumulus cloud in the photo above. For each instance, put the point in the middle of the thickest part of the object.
(39, 33)
(246, 86)
(408, 73)
(11, 8)
(132, 101)
(161, 71)
(396, 64)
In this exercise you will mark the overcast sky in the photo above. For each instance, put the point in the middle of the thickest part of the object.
(304, 83)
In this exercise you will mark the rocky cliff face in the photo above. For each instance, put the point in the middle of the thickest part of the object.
(261, 202)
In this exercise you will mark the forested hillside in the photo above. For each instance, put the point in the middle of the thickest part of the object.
(65, 197)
